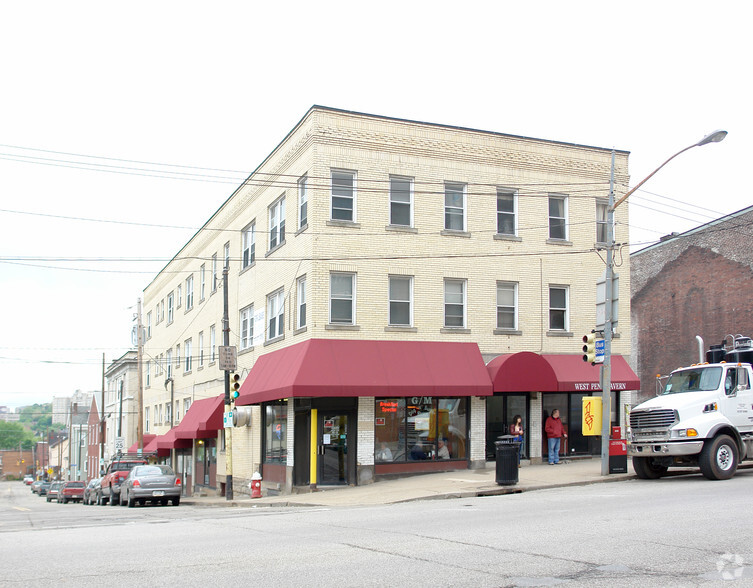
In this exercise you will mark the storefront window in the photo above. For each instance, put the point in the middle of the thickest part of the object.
(420, 428)
(275, 433)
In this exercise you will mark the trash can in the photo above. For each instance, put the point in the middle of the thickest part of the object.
(507, 460)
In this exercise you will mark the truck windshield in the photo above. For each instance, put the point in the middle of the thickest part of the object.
(695, 380)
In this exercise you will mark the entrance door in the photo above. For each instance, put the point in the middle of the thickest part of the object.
(333, 448)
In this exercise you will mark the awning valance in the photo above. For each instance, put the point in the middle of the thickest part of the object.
(351, 368)
(202, 420)
(168, 441)
(530, 372)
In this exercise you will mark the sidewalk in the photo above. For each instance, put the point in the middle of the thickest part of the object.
(456, 484)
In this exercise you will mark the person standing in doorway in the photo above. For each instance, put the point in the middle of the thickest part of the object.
(554, 433)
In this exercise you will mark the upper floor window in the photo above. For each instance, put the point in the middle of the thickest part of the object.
(506, 213)
(343, 195)
(248, 245)
(169, 363)
(454, 207)
(187, 346)
(201, 348)
(148, 324)
(454, 303)
(342, 299)
(303, 201)
(177, 357)
(277, 223)
(401, 301)
(401, 201)
(179, 296)
(558, 316)
(558, 217)
(189, 292)
(276, 315)
(507, 305)
(202, 281)
(148, 374)
(146, 418)
(300, 319)
(602, 225)
(212, 343)
(170, 310)
(246, 327)
(226, 255)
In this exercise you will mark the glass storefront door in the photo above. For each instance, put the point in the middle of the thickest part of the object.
(500, 412)
(333, 449)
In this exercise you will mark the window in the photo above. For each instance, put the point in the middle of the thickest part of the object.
(342, 299)
(186, 405)
(170, 302)
(149, 324)
(189, 292)
(177, 411)
(602, 225)
(247, 327)
(454, 303)
(454, 207)
(558, 308)
(148, 373)
(179, 296)
(401, 201)
(212, 344)
(303, 202)
(168, 413)
(162, 310)
(202, 281)
(343, 195)
(156, 314)
(276, 315)
(201, 349)
(248, 245)
(400, 293)
(187, 345)
(277, 223)
(214, 272)
(275, 433)
(507, 305)
(169, 363)
(146, 418)
(157, 414)
(558, 217)
(506, 213)
(177, 357)
(226, 255)
(300, 319)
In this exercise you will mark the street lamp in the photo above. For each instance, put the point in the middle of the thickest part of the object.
(606, 368)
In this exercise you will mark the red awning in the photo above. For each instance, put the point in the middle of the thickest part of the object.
(150, 446)
(168, 441)
(350, 368)
(531, 372)
(202, 420)
(147, 438)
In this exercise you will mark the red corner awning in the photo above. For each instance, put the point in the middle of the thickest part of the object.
(147, 438)
(531, 372)
(351, 368)
(202, 420)
(151, 445)
(168, 441)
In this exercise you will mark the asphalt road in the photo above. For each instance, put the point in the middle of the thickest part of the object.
(679, 531)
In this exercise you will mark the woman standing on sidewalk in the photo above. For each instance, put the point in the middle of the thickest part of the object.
(516, 429)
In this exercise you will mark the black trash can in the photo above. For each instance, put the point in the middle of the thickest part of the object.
(507, 460)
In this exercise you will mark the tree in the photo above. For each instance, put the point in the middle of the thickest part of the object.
(14, 434)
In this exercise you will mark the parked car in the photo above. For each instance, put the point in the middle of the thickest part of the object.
(28, 479)
(150, 483)
(35, 486)
(91, 490)
(44, 487)
(72, 491)
(53, 492)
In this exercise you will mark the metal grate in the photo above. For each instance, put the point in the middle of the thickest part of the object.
(652, 419)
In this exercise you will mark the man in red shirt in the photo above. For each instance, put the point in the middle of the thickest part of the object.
(554, 432)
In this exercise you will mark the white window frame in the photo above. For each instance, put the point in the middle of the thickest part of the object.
(177, 358)
(246, 332)
(248, 245)
(351, 298)
(454, 303)
(401, 203)
(450, 190)
(504, 214)
(212, 343)
(189, 292)
(397, 301)
(169, 363)
(146, 418)
(201, 349)
(555, 221)
(564, 311)
(602, 221)
(277, 223)
(149, 325)
(202, 281)
(300, 318)
(226, 256)
(179, 296)
(187, 348)
(214, 273)
(148, 373)
(352, 196)
(170, 308)
(276, 315)
(168, 412)
(503, 286)
(303, 200)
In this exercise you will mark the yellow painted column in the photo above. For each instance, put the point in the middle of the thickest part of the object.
(314, 446)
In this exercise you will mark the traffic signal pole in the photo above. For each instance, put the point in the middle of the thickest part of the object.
(228, 407)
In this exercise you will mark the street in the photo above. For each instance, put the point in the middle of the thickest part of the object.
(678, 531)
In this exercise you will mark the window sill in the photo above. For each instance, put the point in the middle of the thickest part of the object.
(246, 350)
(501, 237)
(507, 332)
(401, 229)
(248, 267)
(333, 327)
(300, 330)
(455, 330)
(399, 329)
(303, 228)
(343, 223)
(559, 334)
(454, 233)
(188, 373)
(275, 248)
(559, 242)
(274, 340)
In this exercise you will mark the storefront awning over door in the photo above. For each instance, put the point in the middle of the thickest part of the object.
(202, 420)
(351, 368)
(147, 438)
(531, 372)
(168, 441)
(151, 446)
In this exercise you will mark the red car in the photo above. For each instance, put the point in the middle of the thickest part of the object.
(71, 492)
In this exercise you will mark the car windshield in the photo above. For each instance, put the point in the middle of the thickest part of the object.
(694, 380)
(155, 470)
(75, 485)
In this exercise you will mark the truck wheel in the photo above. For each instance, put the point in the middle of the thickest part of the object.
(114, 500)
(646, 469)
(719, 457)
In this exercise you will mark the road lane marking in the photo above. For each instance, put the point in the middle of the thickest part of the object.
(21, 508)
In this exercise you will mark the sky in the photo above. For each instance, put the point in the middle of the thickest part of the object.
(124, 126)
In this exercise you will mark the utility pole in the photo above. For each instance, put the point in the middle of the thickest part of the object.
(139, 369)
(228, 433)
(102, 422)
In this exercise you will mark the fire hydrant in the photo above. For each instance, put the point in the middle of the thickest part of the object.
(256, 485)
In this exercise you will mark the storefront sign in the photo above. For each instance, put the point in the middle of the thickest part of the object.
(379, 421)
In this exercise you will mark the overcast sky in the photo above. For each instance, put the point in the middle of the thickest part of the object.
(106, 106)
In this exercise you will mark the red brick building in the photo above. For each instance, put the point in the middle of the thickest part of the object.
(694, 283)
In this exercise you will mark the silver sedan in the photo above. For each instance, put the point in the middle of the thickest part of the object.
(150, 483)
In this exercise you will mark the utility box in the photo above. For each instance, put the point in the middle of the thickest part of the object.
(591, 415)
(617, 456)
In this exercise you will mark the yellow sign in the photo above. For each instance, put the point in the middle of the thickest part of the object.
(591, 415)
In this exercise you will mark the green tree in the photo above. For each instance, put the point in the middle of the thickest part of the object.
(14, 434)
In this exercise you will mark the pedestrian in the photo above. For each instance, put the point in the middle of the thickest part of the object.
(554, 433)
(516, 430)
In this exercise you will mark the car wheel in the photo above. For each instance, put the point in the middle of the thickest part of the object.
(114, 500)
(176, 501)
(131, 501)
(163, 502)
(64, 500)
(646, 469)
(49, 499)
(718, 459)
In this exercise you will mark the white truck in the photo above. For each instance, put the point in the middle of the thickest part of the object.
(702, 417)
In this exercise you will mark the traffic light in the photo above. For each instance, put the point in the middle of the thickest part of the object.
(589, 349)
(235, 386)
